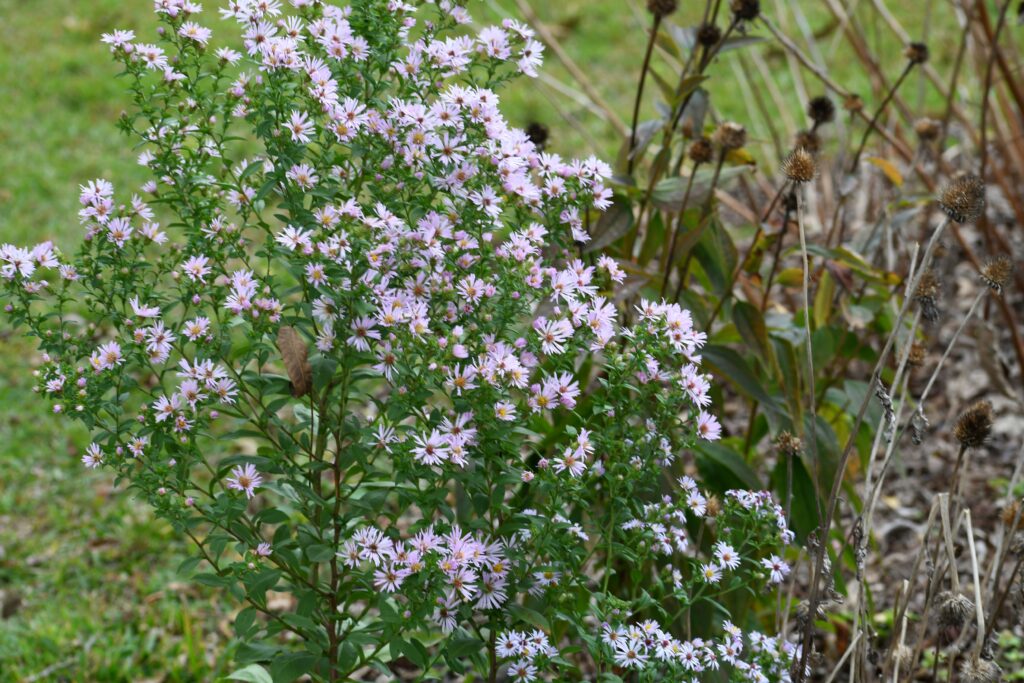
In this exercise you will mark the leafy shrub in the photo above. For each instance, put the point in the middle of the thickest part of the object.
(360, 358)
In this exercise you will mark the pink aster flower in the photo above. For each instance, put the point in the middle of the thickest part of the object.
(708, 426)
(245, 478)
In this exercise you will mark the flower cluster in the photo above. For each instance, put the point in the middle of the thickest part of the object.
(362, 354)
(646, 646)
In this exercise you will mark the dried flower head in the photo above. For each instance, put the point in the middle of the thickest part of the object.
(953, 610)
(902, 656)
(746, 10)
(661, 8)
(963, 198)
(809, 140)
(821, 109)
(927, 296)
(708, 35)
(714, 506)
(1012, 516)
(789, 445)
(538, 134)
(927, 129)
(730, 135)
(917, 354)
(853, 103)
(974, 425)
(701, 151)
(980, 671)
(996, 272)
(1017, 545)
(799, 166)
(917, 53)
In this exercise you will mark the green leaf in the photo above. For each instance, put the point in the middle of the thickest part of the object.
(613, 224)
(254, 673)
(823, 300)
(750, 324)
(731, 367)
(319, 553)
(290, 666)
(722, 468)
(532, 617)
(417, 654)
(244, 621)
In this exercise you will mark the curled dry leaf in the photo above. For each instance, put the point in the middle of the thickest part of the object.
(295, 354)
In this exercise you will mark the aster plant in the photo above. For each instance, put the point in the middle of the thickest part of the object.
(345, 342)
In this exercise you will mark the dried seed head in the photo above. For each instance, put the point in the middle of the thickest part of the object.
(1011, 513)
(974, 425)
(821, 110)
(799, 166)
(963, 198)
(918, 353)
(708, 35)
(996, 272)
(789, 445)
(803, 612)
(714, 506)
(928, 285)
(746, 10)
(1017, 545)
(954, 609)
(730, 136)
(809, 140)
(927, 296)
(917, 53)
(538, 134)
(980, 671)
(701, 151)
(853, 103)
(661, 8)
(927, 129)
(901, 658)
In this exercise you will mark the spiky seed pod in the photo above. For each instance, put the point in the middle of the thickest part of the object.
(538, 134)
(661, 8)
(916, 53)
(974, 425)
(927, 296)
(853, 103)
(927, 129)
(708, 35)
(821, 110)
(746, 10)
(996, 272)
(799, 166)
(789, 445)
(963, 198)
(917, 355)
(701, 151)
(730, 135)
(809, 140)
(954, 609)
(980, 671)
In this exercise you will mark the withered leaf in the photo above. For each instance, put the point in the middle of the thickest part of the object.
(295, 354)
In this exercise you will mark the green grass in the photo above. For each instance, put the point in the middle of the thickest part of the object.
(91, 571)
